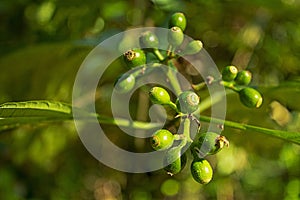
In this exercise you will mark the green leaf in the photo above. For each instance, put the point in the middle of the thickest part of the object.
(16, 113)
(35, 109)
(13, 114)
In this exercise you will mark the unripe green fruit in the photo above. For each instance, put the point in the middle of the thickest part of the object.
(243, 77)
(211, 142)
(159, 95)
(125, 83)
(174, 160)
(229, 73)
(162, 139)
(201, 171)
(178, 19)
(250, 97)
(175, 36)
(148, 40)
(187, 102)
(134, 58)
(193, 47)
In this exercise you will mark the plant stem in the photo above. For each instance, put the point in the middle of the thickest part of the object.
(158, 54)
(285, 135)
(169, 50)
(128, 123)
(186, 133)
(199, 86)
(173, 106)
(186, 129)
(229, 85)
(171, 74)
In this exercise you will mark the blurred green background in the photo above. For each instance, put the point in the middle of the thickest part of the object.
(43, 43)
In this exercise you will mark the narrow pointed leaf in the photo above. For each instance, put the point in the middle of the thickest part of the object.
(16, 113)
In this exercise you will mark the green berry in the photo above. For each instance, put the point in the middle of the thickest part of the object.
(134, 58)
(193, 47)
(250, 97)
(159, 95)
(125, 83)
(201, 171)
(162, 139)
(175, 36)
(187, 102)
(174, 160)
(211, 142)
(148, 40)
(178, 19)
(243, 77)
(229, 73)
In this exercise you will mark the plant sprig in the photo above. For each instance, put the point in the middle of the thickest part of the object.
(187, 105)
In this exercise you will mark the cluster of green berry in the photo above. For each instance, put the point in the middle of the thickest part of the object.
(136, 58)
(186, 104)
(238, 81)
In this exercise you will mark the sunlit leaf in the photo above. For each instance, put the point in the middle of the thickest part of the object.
(15, 113)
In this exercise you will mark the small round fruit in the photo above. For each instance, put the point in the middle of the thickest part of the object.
(250, 97)
(148, 40)
(159, 95)
(211, 143)
(178, 19)
(229, 73)
(175, 36)
(174, 160)
(193, 47)
(201, 171)
(187, 102)
(134, 58)
(162, 139)
(125, 83)
(243, 77)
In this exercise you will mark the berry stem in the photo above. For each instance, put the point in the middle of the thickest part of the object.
(178, 137)
(170, 51)
(198, 86)
(229, 85)
(158, 54)
(186, 129)
(173, 106)
(171, 74)
(194, 152)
